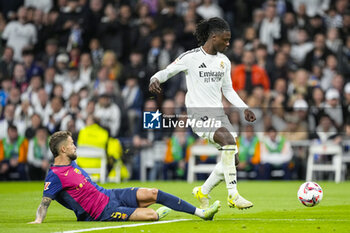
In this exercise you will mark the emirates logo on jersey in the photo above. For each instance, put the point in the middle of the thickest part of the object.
(47, 184)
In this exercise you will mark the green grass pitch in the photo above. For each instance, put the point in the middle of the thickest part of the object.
(276, 209)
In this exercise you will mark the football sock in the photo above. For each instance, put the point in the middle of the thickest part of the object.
(229, 167)
(175, 203)
(216, 176)
(199, 213)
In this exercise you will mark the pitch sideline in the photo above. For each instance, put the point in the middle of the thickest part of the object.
(122, 226)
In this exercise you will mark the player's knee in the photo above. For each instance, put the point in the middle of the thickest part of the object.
(154, 193)
(152, 216)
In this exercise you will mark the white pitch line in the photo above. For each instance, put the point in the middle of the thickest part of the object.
(286, 219)
(125, 226)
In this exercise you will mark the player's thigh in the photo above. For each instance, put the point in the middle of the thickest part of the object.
(126, 197)
(146, 196)
(144, 214)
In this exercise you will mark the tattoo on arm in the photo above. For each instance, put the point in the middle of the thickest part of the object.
(42, 210)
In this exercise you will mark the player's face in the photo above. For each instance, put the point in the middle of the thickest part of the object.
(71, 149)
(221, 41)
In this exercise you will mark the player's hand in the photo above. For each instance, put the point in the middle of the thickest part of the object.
(154, 86)
(249, 115)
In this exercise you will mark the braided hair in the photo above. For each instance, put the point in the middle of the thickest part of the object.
(208, 26)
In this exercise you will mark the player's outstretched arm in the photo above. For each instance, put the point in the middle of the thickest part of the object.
(42, 210)
(154, 86)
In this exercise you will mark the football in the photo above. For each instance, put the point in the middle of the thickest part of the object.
(310, 194)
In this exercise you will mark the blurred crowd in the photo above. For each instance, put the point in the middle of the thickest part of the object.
(75, 64)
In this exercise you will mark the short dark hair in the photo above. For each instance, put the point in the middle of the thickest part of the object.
(208, 26)
(56, 140)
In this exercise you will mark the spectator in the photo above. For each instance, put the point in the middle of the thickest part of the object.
(289, 29)
(249, 151)
(114, 67)
(169, 19)
(333, 42)
(35, 123)
(133, 100)
(44, 5)
(325, 131)
(316, 108)
(61, 68)
(315, 26)
(278, 69)
(344, 31)
(248, 75)
(19, 77)
(262, 58)
(54, 114)
(177, 154)
(31, 94)
(108, 113)
(9, 119)
(49, 78)
(329, 71)
(70, 24)
(270, 28)
(312, 7)
(346, 107)
(86, 69)
(154, 53)
(13, 155)
(169, 52)
(333, 107)
(276, 153)
(94, 135)
(23, 114)
(48, 57)
(128, 31)
(236, 52)
(136, 68)
(94, 15)
(209, 9)
(5, 92)
(39, 155)
(109, 31)
(72, 84)
(333, 19)
(20, 34)
(7, 63)
(96, 52)
(302, 47)
(344, 58)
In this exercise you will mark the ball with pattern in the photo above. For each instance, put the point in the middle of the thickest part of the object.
(310, 194)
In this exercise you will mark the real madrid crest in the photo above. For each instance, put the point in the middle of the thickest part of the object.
(222, 65)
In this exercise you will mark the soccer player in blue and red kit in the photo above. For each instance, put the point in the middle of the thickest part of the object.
(72, 187)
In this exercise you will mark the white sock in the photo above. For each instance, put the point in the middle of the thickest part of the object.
(229, 168)
(199, 213)
(216, 176)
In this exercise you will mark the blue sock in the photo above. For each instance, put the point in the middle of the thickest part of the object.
(175, 203)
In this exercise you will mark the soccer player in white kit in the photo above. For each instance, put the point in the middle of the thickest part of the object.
(208, 76)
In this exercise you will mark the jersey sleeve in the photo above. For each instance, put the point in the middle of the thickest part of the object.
(228, 91)
(180, 64)
(52, 186)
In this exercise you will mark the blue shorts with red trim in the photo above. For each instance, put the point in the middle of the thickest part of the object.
(122, 203)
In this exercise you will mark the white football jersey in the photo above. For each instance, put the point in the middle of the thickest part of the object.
(206, 76)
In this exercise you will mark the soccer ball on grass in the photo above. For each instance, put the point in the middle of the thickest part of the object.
(310, 194)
